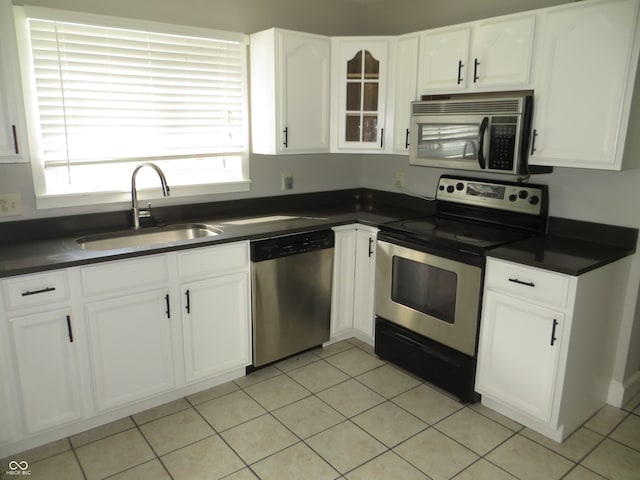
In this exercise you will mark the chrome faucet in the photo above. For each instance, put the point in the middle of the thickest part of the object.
(145, 212)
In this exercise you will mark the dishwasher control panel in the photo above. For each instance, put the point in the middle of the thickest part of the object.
(286, 245)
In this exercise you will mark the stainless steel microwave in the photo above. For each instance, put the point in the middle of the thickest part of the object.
(479, 132)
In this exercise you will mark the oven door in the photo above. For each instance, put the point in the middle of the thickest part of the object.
(433, 296)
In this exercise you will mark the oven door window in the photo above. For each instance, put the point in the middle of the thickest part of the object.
(424, 288)
(448, 141)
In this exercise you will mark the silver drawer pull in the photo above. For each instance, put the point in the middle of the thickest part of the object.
(36, 292)
(520, 282)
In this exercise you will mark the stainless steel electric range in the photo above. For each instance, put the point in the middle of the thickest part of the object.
(429, 275)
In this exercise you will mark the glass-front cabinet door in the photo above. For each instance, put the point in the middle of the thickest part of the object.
(360, 69)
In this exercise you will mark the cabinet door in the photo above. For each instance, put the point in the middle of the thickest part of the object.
(587, 65)
(47, 369)
(360, 79)
(406, 72)
(343, 293)
(518, 354)
(443, 60)
(363, 309)
(501, 52)
(216, 325)
(305, 81)
(5, 411)
(131, 347)
(13, 143)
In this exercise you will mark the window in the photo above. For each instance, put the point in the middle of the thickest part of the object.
(106, 94)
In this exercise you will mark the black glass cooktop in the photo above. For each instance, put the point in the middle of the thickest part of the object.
(456, 234)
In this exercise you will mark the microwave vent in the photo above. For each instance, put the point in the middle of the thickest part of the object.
(448, 107)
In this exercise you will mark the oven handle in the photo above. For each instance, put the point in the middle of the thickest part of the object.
(483, 129)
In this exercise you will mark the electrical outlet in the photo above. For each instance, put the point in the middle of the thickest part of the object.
(287, 181)
(10, 204)
(399, 178)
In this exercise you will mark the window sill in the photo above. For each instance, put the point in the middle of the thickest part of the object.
(144, 195)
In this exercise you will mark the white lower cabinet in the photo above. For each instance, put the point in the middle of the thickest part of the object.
(216, 315)
(521, 346)
(6, 432)
(352, 304)
(88, 345)
(128, 320)
(131, 348)
(46, 353)
(546, 349)
(47, 369)
(216, 325)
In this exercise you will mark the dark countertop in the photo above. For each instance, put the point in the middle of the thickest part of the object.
(25, 251)
(38, 245)
(564, 248)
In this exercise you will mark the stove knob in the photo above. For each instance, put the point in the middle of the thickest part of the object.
(534, 200)
(459, 186)
(450, 189)
(441, 187)
(513, 197)
(523, 194)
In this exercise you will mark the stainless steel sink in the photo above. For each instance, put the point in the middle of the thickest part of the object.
(147, 236)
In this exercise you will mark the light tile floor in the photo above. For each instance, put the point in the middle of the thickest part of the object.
(336, 413)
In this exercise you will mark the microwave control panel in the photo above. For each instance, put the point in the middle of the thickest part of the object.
(503, 143)
(511, 196)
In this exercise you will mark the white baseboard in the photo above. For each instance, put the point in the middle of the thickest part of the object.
(620, 393)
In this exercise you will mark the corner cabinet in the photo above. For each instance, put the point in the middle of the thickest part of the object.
(585, 74)
(487, 55)
(216, 318)
(290, 92)
(352, 308)
(13, 139)
(544, 354)
(360, 75)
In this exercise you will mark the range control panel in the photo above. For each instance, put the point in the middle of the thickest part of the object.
(511, 196)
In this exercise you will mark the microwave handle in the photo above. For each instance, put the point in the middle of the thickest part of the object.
(483, 129)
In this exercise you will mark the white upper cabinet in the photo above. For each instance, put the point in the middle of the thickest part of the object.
(360, 70)
(443, 59)
(13, 140)
(290, 92)
(486, 55)
(404, 88)
(587, 58)
(501, 51)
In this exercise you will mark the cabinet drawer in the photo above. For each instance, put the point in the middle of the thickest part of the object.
(211, 261)
(37, 289)
(530, 283)
(127, 276)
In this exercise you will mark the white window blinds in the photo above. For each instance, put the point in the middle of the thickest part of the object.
(111, 95)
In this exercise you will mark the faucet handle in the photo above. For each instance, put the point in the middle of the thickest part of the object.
(145, 212)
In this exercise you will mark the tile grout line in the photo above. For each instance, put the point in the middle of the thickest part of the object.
(519, 432)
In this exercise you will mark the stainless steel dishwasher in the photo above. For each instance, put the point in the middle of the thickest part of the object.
(291, 290)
